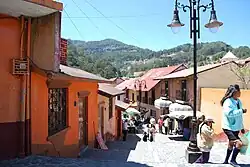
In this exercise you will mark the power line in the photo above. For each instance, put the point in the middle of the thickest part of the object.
(74, 24)
(111, 21)
(89, 19)
(125, 16)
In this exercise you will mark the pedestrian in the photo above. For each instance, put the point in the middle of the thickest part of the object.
(232, 122)
(152, 133)
(205, 139)
(170, 126)
(160, 123)
(166, 125)
(125, 129)
(145, 137)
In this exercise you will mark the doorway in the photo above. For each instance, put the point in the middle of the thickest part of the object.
(102, 121)
(83, 121)
(119, 124)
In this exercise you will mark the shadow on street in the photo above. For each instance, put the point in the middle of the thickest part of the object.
(39, 161)
(117, 150)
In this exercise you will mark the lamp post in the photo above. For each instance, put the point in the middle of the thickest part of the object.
(139, 84)
(194, 6)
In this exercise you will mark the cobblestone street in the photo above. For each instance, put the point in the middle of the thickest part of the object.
(133, 153)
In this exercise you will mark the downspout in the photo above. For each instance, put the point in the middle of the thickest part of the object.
(23, 87)
(28, 96)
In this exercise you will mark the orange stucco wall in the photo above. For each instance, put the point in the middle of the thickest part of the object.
(66, 141)
(10, 88)
(210, 105)
(9, 84)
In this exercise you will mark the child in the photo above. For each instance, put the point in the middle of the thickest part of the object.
(145, 137)
(205, 139)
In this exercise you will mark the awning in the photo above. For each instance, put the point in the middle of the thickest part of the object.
(132, 111)
(179, 107)
(162, 102)
(30, 8)
(182, 111)
(181, 115)
(121, 104)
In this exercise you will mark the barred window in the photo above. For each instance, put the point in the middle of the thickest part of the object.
(166, 89)
(57, 105)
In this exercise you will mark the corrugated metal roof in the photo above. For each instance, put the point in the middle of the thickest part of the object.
(121, 104)
(75, 72)
(190, 71)
(106, 88)
(127, 84)
(149, 77)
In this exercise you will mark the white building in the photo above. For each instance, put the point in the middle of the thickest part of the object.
(229, 57)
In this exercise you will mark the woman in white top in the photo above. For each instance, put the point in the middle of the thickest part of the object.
(205, 139)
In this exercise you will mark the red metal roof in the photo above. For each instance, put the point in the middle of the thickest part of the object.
(149, 78)
(127, 84)
(190, 71)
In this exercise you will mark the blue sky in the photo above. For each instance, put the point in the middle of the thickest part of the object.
(144, 22)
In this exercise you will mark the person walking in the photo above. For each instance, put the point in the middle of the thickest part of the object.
(125, 129)
(160, 124)
(152, 132)
(232, 122)
(166, 125)
(205, 139)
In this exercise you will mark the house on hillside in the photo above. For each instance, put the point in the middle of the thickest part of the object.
(116, 81)
(139, 73)
(110, 118)
(152, 90)
(229, 57)
(180, 84)
(129, 95)
(48, 108)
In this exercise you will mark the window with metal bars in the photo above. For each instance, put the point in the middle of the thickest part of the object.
(57, 113)
(166, 89)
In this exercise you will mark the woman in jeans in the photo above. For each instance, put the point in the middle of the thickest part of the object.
(232, 122)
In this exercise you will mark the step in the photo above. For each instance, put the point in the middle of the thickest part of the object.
(58, 161)
(98, 154)
(114, 145)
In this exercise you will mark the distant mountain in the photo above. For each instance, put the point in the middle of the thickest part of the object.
(111, 58)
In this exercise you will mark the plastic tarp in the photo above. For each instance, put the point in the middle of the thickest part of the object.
(181, 111)
(245, 150)
(181, 115)
(132, 111)
(162, 102)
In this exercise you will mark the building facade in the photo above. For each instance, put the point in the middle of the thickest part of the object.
(48, 108)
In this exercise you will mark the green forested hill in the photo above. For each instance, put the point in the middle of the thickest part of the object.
(110, 58)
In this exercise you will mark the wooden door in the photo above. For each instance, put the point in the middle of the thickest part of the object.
(83, 121)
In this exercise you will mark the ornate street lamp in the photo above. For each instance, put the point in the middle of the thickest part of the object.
(192, 152)
(138, 84)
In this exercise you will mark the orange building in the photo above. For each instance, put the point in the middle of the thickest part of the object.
(46, 108)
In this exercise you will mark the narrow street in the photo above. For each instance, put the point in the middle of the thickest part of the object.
(132, 153)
